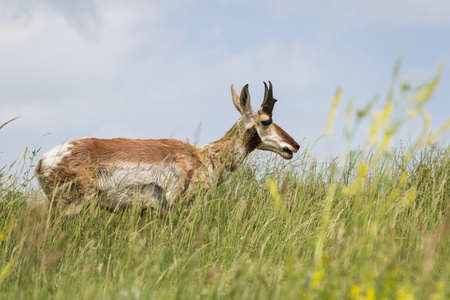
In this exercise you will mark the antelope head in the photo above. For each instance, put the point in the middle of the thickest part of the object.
(273, 137)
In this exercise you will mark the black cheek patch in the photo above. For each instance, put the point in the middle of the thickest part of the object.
(252, 140)
(266, 122)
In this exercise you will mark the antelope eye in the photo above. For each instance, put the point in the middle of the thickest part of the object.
(266, 123)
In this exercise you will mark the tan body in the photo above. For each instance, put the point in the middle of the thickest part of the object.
(124, 172)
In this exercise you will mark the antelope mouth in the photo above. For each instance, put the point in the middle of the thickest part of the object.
(287, 154)
(285, 149)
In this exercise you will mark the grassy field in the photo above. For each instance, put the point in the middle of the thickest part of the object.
(371, 224)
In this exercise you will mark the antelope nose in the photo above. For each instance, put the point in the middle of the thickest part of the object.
(297, 147)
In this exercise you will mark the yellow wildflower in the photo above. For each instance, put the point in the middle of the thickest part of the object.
(386, 140)
(7, 228)
(333, 112)
(317, 277)
(354, 291)
(7, 269)
(405, 294)
(273, 190)
(356, 186)
(412, 112)
(424, 93)
(410, 196)
(370, 293)
(376, 126)
(386, 112)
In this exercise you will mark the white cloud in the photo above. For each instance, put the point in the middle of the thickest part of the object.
(389, 13)
(405, 12)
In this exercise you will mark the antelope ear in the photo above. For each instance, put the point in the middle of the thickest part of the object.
(244, 100)
(236, 101)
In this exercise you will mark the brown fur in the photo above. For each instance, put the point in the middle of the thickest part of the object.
(286, 137)
(75, 176)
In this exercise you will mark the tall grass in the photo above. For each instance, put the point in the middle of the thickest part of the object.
(371, 224)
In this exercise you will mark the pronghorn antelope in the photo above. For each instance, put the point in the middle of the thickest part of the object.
(123, 172)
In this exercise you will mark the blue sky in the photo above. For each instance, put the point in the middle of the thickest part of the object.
(157, 69)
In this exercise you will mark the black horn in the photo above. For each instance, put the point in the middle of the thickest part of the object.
(269, 100)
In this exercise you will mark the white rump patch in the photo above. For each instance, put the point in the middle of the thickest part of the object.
(53, 158)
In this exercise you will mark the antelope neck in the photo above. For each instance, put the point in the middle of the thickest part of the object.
(226, 154)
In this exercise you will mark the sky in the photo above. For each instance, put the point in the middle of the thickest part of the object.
(163, 69)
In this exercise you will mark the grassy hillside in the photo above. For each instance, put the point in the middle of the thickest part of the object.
(371, 224)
